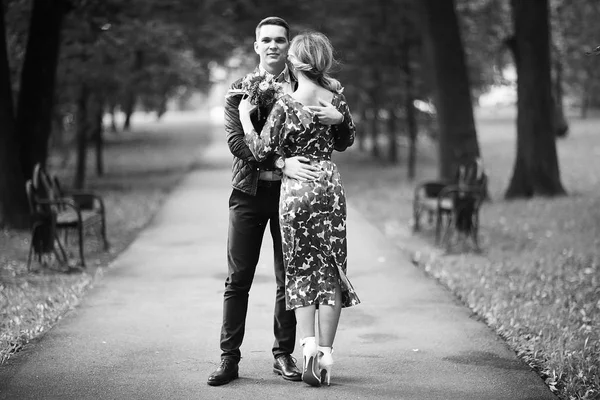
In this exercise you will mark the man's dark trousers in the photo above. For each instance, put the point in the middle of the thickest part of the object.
(248, 218)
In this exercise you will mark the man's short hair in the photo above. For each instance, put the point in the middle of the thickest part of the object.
(274, 21)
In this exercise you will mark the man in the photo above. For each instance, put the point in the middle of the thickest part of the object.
(253, 203)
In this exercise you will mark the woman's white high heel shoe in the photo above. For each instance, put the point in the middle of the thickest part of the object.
(309, 362)
(325, 363)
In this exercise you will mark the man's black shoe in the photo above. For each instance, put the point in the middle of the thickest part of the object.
(285, 365)
(225, 373)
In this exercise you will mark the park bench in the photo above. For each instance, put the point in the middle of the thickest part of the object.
(455, 204)
(54, 210)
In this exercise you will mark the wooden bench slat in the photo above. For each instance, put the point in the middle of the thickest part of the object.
(70, 217)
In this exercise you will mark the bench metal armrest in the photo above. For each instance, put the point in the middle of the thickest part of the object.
(429, 188)
(85, 198)
(477, 192)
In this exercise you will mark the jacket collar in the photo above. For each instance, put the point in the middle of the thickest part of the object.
(285, 74)
(288, 75)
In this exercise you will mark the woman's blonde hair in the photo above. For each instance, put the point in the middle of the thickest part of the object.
(311, 53)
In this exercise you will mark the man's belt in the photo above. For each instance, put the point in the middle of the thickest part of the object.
(269, 175)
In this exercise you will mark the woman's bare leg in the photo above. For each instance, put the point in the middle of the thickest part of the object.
(329, 316)
(305, 321)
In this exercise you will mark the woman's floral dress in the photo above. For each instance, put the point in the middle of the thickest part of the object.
(312, 214)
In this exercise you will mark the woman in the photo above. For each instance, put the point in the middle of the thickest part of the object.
(312, 213)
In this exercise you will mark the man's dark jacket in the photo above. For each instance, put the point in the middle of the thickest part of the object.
(246, 169)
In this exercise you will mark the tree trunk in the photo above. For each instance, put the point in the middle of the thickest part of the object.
(411, 123)
(374, 131)
(82, 135)
(99, 136)
(14, 212)
(96, 114)
(392, 137)
(585, 103)
(586, 92)
(409, 108)
(561, 127)
(374, 97)
(131, 94)
(113, 118)
(361, 137)
(411, 126)
(457, 134)
(129, 107)
(162, 106)
(536, 169)
(38, 78)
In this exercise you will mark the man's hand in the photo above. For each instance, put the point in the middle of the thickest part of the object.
(327, 113)
(299, 167)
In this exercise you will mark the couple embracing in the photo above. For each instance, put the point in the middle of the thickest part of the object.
(283, 176)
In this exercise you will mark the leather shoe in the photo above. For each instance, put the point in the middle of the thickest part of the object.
(285, 365)
(225, 373)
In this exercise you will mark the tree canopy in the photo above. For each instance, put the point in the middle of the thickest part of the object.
(85, 58)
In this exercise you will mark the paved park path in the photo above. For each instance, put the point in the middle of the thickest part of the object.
(149, 329)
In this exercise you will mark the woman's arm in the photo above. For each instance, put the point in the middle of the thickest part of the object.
(345, 132)
(267, 142)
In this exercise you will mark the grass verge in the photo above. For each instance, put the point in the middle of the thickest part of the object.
(142, 167)
(537, 282)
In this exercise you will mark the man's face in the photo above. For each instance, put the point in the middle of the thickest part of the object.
(272, 46)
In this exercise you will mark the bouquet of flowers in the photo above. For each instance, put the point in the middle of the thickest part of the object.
(261, 91)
